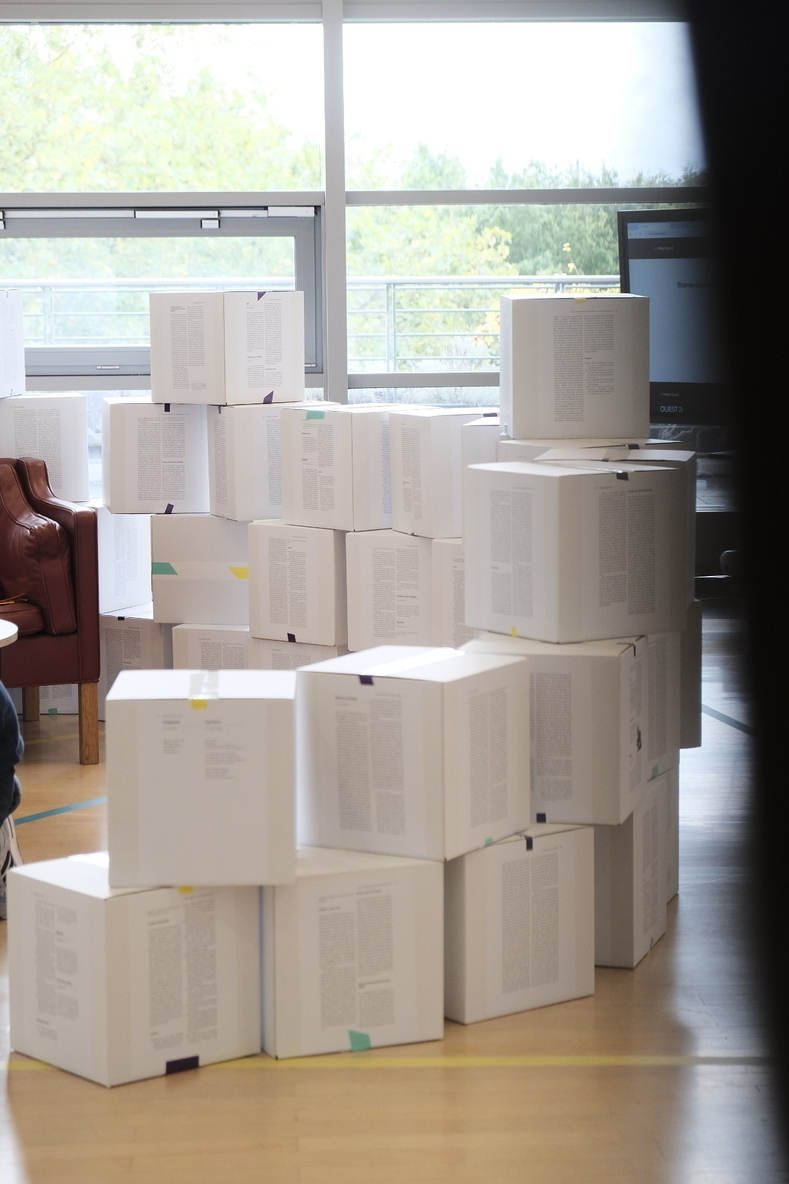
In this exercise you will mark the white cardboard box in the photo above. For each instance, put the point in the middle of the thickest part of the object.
(230, 647)
(119, 986)
(604, 721)
(154, 455)
(264, 347)
(131, 640)
(62, 699)
(200, 566)
(690, 678)
(200, 777)
(124, 558)
(479, 439)
(12, 343)
(574, 365)
(590, 457)
(297, 584)
(427, 470)
(530, 449)
(412, 751)
(187, 347)
(53, 428)
(449, 594)
(336, 467)
(227, 347)
(245, 460)
(630, 884)
(389, 589)
(574, 554)
(210, 647)
(266, 654)
(668, 788)
(352, 954)
(519, 924)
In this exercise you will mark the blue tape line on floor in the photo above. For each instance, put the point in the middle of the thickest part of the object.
(727, 719)
(60, 810)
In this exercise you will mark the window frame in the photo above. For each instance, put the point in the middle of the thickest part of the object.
(287, 215)
(330, 263)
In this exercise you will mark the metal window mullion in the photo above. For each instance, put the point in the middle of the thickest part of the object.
(83, 204)
(654, 195)
(414, 11)
(417, 378)
(335, 266)
(306, 240)
(306, 233)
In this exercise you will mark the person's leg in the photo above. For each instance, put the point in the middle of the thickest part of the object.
(16, 796)
(9, 847)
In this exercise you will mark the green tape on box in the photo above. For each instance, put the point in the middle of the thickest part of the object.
(359, 1040)
(203, 569)
(316, 414)
(52, 711)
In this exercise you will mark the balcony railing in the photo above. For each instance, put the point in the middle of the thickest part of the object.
(412, 323)
(395, 324)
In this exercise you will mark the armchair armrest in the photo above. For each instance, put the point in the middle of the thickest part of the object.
(79, 522)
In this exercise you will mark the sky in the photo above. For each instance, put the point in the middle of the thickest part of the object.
(615, 94)
(621, 95)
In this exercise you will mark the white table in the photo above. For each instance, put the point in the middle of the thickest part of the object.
(8, 633)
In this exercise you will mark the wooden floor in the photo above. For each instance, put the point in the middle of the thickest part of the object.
(661, 1076)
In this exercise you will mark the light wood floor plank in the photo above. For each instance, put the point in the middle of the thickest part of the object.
(438, 1118)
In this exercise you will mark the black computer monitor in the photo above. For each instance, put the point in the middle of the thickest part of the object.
(670, 256)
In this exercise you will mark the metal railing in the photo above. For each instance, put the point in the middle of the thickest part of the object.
(395, 323)
(408, 323)
(112, 312)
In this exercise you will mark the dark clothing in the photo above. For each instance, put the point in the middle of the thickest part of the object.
(11, 749)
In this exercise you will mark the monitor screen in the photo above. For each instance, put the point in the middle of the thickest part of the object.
(670, 256)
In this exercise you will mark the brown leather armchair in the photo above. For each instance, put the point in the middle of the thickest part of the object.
(50, 590)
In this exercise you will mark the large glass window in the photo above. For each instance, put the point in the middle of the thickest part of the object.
(425, 282)
(586, 111)
(86, 275)
(95, 291)
(127, 108)
(454, 134)
(526, 105)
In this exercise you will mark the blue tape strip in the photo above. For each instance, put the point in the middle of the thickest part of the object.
(60, 810)
(727, 719)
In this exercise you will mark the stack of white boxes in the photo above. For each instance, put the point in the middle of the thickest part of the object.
(298, 608)
(147, 961)
(52, 427)
(408, 830)
(352, 951)
(202, 457)
(124, 979)
(201, 777)
(408, 753)
(579, 556)
(394, 597)
(12, 344)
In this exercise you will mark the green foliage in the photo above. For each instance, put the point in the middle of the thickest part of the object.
(424, 240)
(566, 239)
(84, 113)
(91, 110)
